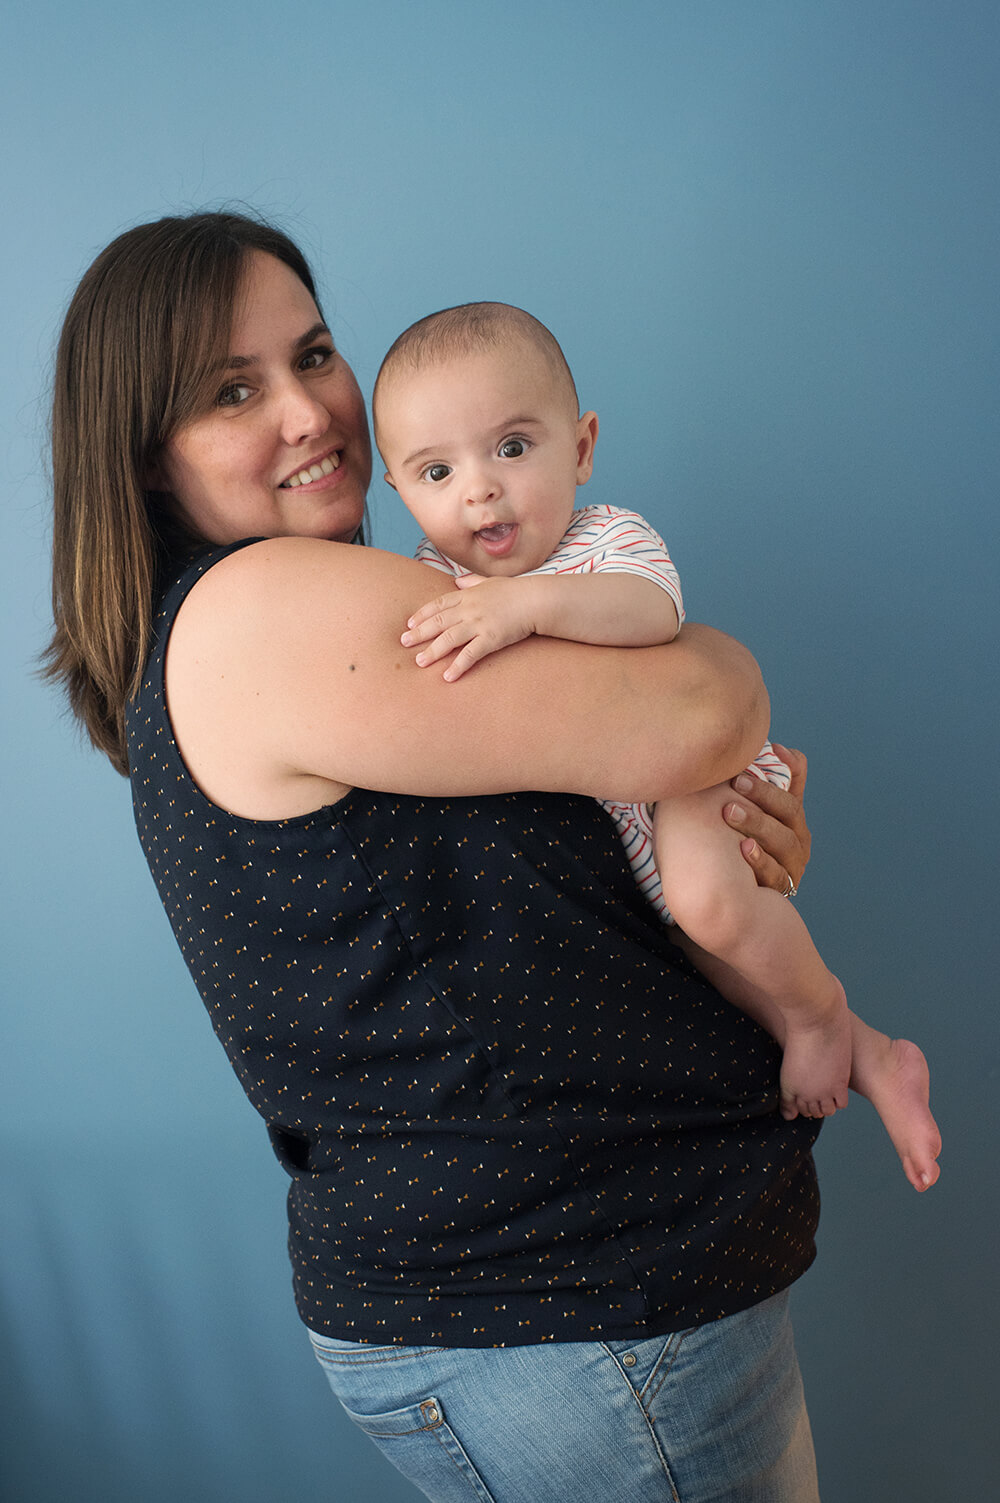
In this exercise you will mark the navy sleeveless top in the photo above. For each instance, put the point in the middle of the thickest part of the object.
(510, 1111)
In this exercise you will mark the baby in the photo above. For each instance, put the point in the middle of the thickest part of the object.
(476, 418)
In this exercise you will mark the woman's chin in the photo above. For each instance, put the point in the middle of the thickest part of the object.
(337, 522)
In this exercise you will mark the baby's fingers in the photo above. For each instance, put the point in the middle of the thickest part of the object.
(431, 619)
(473, 652)
(435, 608)
(442, 644)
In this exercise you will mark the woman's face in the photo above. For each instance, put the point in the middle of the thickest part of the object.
(285, 449)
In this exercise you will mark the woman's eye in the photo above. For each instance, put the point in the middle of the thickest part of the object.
(313, 359)
(436, 472)
(234, 396)
(512, 448)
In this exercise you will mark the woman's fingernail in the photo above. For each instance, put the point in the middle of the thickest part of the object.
(406, 638)
(749, 849)
(421, 658)
(735, 813)
(742, 784)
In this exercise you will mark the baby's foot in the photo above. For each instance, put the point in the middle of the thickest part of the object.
(893, 1074)
(816, 1064)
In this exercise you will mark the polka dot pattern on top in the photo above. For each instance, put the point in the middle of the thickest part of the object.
(510, 1112)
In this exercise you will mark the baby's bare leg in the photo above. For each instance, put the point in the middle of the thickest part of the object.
(713, 897)
(890, 1073)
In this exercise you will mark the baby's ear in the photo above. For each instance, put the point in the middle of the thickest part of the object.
(389, 480)
(586, 437)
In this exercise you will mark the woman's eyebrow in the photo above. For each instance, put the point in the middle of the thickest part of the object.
(243, 362)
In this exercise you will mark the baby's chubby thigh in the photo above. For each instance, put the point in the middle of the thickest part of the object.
(708, 887)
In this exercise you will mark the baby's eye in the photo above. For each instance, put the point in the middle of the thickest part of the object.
(235, 395)
(513, 448)
(436, 472)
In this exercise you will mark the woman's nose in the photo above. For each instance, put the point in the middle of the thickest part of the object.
(303, 415)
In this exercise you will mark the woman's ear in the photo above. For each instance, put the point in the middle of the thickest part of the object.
(389, 480)
(586, 438)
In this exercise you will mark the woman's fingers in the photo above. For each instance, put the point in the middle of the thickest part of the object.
(778, 841)
(768, 871)
(797, 765)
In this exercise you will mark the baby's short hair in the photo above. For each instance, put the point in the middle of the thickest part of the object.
(469, 329)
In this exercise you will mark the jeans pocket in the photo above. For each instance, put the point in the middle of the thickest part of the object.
(421, 1444)
(415, 1436)
(645, 1364)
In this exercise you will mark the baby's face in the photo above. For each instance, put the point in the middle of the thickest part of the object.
(486, 451)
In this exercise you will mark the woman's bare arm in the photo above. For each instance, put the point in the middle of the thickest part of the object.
(288, 684)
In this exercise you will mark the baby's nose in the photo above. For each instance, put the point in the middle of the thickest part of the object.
(480, 488)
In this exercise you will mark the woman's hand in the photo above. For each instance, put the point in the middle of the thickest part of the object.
(777, 840)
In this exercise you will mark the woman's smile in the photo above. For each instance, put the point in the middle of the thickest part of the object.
(312, 473)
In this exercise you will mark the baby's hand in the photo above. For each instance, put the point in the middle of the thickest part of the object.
(480, 616)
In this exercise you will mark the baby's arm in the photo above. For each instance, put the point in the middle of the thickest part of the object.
(610, 582)
(482, 615)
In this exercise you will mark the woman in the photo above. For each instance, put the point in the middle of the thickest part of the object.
(538, 1177)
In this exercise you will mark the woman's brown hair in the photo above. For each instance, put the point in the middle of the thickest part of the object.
(144, 337)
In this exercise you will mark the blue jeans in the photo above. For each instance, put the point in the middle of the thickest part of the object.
(711, 1415)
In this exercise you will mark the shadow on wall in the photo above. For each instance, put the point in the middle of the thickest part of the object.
(131, 1372)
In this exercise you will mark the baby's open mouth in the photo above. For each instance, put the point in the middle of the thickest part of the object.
(314, 472)
(498, 540)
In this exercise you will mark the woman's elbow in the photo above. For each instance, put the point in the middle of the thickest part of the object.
(746, 735)
(737, 722)
(727, 711)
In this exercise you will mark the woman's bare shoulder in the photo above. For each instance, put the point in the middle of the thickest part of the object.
(275, 572)
(270, 650)
(290, 600)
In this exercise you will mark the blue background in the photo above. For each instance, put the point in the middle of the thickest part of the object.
(767, 237)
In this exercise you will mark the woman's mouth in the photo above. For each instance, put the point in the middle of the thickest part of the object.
(317, 471)
(499, 539)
